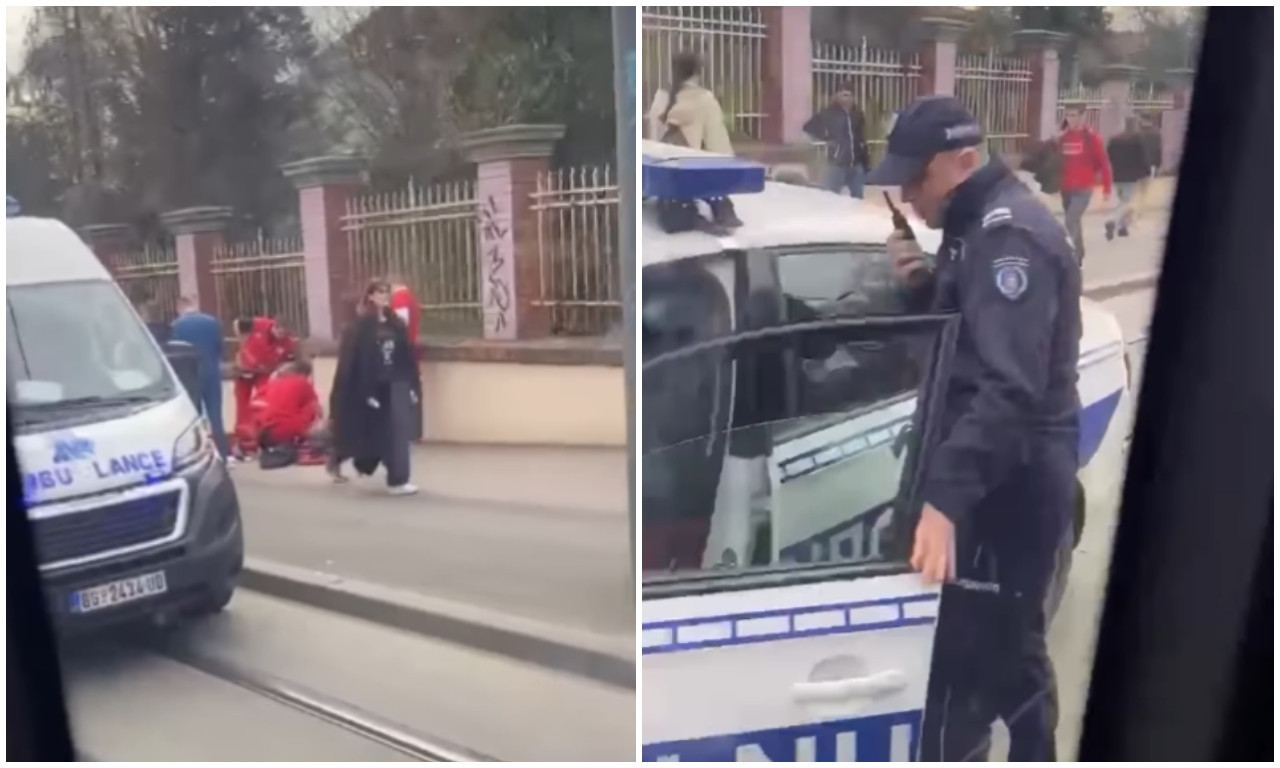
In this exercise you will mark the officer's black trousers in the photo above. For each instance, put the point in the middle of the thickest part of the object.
(991, 659)
(990, 662)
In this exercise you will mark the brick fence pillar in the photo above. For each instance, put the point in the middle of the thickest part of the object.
(937, 37)
(1117, 86)
(508, 160)
(787, 76)
(1040, 47)
(1173, 123)
(109, 242)
(324, 185)
(197, 233)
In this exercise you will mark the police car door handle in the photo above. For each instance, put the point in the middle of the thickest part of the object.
(872, 686)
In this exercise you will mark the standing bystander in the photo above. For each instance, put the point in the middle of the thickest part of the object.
(842, 127)
(204, 332)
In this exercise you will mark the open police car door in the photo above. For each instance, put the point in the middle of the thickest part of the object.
(782, 455)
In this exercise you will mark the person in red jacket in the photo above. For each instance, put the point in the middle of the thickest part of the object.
(405, 305)
(264, 345)
(1084, 164)
(288, 408)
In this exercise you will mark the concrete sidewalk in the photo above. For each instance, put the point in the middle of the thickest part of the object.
(584, 479)
(1124, 264)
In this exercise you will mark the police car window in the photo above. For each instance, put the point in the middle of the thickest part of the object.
(69, 341)
(807, 471)
(846, 280)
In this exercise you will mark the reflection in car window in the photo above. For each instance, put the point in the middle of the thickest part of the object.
(817, 462)
(845, 280)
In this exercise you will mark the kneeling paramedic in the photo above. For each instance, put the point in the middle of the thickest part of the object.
(287, 411)
(999, 485)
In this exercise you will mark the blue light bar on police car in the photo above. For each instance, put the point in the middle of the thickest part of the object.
(699, 178)
(11, 207)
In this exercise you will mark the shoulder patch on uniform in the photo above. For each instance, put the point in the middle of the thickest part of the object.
(1012, 276)
(996, 216)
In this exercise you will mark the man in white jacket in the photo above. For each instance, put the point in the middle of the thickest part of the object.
(694, 118)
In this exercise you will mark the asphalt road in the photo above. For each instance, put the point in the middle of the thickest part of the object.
(136, 703)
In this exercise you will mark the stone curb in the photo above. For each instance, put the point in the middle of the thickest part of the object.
(597, 657)
(1107, 289)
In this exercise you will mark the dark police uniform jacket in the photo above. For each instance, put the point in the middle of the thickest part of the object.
(1006, 462)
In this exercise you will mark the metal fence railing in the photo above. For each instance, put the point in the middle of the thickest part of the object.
(1086, 98)
(577, 214)
(882, 82)
(1148, 104)
(150, 276)
(730, 41)
(996, 89)
(425, 236)
(262, 277)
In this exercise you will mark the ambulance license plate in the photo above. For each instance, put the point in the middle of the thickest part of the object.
(118, 592)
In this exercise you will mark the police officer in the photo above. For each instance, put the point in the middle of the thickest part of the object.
(999, 486)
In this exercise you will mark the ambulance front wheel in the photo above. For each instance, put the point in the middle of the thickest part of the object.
(214, 601)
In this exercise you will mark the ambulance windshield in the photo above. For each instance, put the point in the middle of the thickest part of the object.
(78, 345)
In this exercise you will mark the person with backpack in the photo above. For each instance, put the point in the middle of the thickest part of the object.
(842, 127)
(1084, 164)
(1130, 164)
(688, 115)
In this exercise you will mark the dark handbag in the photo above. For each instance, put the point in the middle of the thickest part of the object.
(278, 456)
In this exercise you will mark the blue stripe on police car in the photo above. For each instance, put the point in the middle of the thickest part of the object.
(892, 737)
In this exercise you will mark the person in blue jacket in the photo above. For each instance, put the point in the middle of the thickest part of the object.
(999, 486)
(204, 332)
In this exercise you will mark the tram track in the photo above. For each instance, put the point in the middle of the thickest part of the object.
(350, 718)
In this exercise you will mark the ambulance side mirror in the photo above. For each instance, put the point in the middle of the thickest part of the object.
(185, 361)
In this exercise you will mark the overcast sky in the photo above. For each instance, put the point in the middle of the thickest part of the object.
(17, 16)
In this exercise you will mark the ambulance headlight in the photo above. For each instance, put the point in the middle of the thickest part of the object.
(194, 446)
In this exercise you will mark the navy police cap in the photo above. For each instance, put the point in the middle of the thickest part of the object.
(927, 126)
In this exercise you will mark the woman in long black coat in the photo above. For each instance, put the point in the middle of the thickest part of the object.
(376, 386)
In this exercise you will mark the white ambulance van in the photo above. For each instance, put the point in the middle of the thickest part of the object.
(788, 412)
(133, 512)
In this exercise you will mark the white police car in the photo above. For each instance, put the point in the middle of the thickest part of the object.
(133, 513)
(782, 459)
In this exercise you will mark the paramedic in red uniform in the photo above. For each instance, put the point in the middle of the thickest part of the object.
(263, 347)
(405, 305)
(288, 407)
(1084, 164)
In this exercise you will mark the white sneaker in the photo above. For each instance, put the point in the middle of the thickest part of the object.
(408, 489)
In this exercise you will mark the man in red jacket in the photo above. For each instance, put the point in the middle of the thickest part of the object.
(1084, 163)
(405, 304)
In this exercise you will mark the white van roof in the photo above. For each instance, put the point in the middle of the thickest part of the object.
(47, 251)
(783, 214)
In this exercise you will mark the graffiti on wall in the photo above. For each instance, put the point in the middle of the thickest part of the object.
(497, 262)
